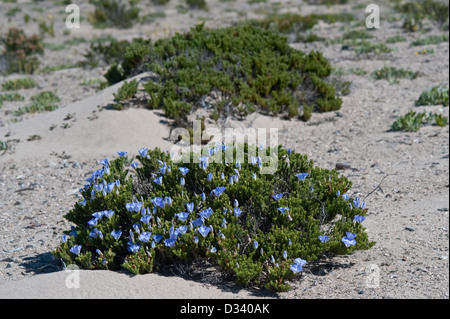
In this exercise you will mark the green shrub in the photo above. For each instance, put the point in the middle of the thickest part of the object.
(126, 91)
(250, 69)
(259, 228)
(396, 39)
(42, 102)
(113, 14)
(20, 51)
(160, 2)
(413, 121)
(288, 23)
(415, 12)
(434, 96)
(17, 84)
(393, 74)
(433, 39)
(197, 4)
(11, 97)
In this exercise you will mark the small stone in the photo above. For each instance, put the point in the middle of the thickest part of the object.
(342, 166)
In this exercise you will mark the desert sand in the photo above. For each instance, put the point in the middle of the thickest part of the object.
(405, 176)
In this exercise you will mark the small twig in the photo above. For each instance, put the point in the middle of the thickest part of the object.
(377, 186)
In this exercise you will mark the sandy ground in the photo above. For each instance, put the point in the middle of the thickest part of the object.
(406, 174)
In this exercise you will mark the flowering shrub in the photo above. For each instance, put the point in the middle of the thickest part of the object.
(144, 212)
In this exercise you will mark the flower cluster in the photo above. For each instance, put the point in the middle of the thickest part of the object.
(263, 228)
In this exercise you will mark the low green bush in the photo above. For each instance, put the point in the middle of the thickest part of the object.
(244, 67)
(417, 11)
(413, 121)
(392, 74)
(20, 51)
(41, 102)
(113, 14)
(259, 228)
(435, 96)
(17, 84)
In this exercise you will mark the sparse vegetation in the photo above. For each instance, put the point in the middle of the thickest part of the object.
(413, 121)
(437, 95)
(20, 51)
(113, 14)
(42, 102)
(392, 74)
(433, 39)
(17, 84)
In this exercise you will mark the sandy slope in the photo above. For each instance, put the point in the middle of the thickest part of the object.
(406, 175)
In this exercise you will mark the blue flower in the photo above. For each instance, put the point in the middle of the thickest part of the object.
(222, 176)
(116, 234)
(96, 233)
(157, 238)
(204, 162)
(197, 222)
(98, 215)
(238, 164)
(338, 193)
(298, 265)
(64, 238)
(204, 230)
(213, 249)
(236, 203)
(134, 248)
(134, 165)
(108, 213)
(277, 197)
(218, 191)
(146, 219)
(356, 202)
(285, 254)
(349, 240)
(159, 202)
(105, 162)
(359, 218)
(182, 216)
(170, 242)
(302, 176)
(206, 213)
(190, 207)
(134, 207)
(75, 249)
(195, 240)
(345, 197)
(363, 205)
(210, 177)
(181, 230)
(145, 237)
(203, 196)
(324, 238)
(184, 170)
(224, 223)
(163, 169)
(122, 154)
(182, 181)
(237, 212)
(158, 180)
(255, 244)
(93, 222)
(110, 187)
(168, 200)
(283, 209)
(143, 152)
